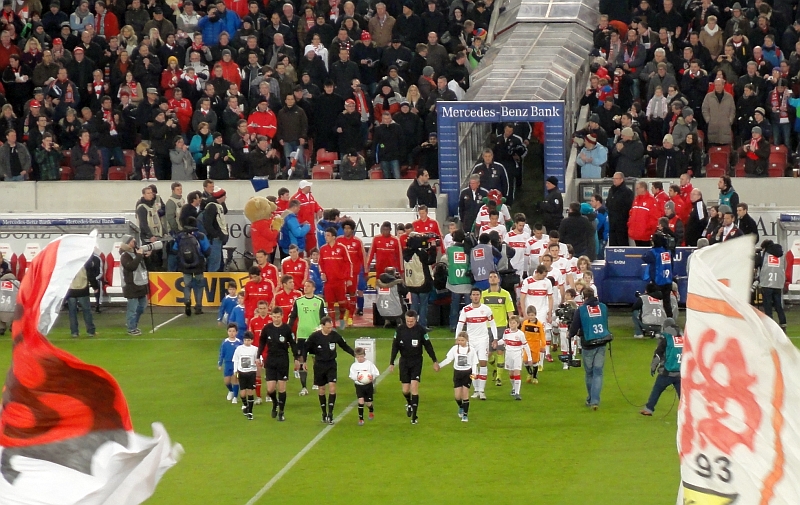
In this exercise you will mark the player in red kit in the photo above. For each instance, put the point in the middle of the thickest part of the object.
(256, 325)
(269, 272)
(295, 266)
(426, 225)
(385, 250)
(355, 291)
(310, 211)
(286, 297)
(336, 269)
(256, 290)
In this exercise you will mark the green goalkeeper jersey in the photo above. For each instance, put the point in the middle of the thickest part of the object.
(500, 303)
(307, 312)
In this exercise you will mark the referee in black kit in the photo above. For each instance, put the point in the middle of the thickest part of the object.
(409, 339)
(322, 344)
(277, 339)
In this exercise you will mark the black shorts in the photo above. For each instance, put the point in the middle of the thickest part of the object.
(277, 370)
(247, 380)
(410, 371)
(366, 391)
(462, 378)
(324, 372)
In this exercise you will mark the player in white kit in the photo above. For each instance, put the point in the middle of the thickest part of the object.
(537, 291)
(515, 342)
(474, 318)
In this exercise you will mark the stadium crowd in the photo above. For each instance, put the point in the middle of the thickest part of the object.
(229, 90)
(672, 80)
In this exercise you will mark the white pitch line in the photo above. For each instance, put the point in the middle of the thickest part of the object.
(283, 471)
(166, 322)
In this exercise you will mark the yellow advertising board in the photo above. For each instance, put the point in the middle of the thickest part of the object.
(166, 288)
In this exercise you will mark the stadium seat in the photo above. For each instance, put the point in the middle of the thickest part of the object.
(778, 154)
(716, 169)
(66, 173)
(720, 155)
(66, 158)
(118, 173)
(326, 157)
(739, 171)
(376, 173)
(701, 137)
(129, 154)
(777, 169)
(324, 171)
(407, 172)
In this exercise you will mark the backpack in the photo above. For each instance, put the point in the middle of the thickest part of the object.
(440, 276)
(189, 253)
(201, 226)
(414, 273)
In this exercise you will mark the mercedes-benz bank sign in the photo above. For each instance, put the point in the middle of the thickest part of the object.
(452, 170)
(504, 113)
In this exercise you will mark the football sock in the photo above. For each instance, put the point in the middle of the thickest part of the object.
(465, 406)
(281, 401)
(250, 402)
(371, 407)
(535, 372)
(458, 402)
(235, 390)
(258, 386)
(408, 398)
(361, 412)
(303, 378)
(482, 375)
(323, 404)
(414, 406)
(530, 370)
(230, 388)
(274, 396)
(331, 403)
(516, 381)
(501, 364)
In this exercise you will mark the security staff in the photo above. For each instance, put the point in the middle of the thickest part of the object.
(409, 339)
(667, 362)
(771, 277)
(592, 325)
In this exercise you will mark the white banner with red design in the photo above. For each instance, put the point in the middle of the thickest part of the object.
(739, 415)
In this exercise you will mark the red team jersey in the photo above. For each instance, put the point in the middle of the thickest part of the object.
(335, 263)
(255, 292)
(286, 301)
(355, 247)
(269, 272)
(256, 325)
(297, 269)
(386, 252)
(428, 226)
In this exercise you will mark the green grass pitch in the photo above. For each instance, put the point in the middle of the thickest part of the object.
(547, 448)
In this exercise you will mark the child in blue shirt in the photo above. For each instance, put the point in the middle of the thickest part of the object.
(225, 363)
(227, 305)
(314, 273)
(237, 318)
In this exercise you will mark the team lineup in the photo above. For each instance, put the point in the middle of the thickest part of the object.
(271, 332)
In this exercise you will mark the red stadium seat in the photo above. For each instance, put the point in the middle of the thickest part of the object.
(376, 173)
(326, 157)
(66, 173)
(739, 171)
(716, 170)
(66, 157)
(118, 173)
(777, 169)
(322, 172)
(129, 155)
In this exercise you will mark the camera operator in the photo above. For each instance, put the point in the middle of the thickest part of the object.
(771, 265)
(135, 282)
(591, 323)
(659, 267)
(667, 363)
(391, 297)
(151, 228)
(648, 311)
(418, 256)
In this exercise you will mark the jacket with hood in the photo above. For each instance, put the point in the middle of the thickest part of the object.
(682, 130)
(630, 159)
(643, 217)
(202, 240)
(134, 275)
(577, 231)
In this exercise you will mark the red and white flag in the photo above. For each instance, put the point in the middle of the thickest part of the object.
(65, 431)
(738, 430)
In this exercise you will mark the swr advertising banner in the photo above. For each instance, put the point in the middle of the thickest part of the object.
(166, 288)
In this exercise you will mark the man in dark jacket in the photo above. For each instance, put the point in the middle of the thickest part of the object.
(292, 134)
(328, 106)
(509, 150)
(492, 174)
(426, 156)
(698, 218)
(628, 153)
(745, 222)
(78, 294)
(191, 246)
(420, 192)
(470, 201)
(553, 205)
(387, 141)
(577, 231)
(618, 202)
(135, 282)
(263, 161)
(85, 158)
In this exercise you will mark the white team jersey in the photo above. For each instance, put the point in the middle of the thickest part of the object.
(500, 229)
(447, 240)
(537, 294)
(558, 274)
(519, 242)
(536, 247)
(573, 266)
(244, 358)
(476, 319)
(367, 366)
(515, 342)
(463, 358)
(483, 215)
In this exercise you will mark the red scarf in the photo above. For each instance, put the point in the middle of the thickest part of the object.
(753, 148)
(98, 88)
(197, 47)
(781, 103)
(310, 21)
(108, 116)
(85, 148)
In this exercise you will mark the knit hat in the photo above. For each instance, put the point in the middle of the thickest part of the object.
(736, 6)
(428, 71)
(218, 192)
(35, 103)
(126, 239)
(304, 184)
(57, 41)
(590, 139)
(756, 129)
(226, 51)
(627, 132)
(171, 59)
(586, 209)
(760, 110)
(365, 36)
(594, 118)
(553, 180)
(668, 139)
(154, 91)
(725, 209)
(670, 326)
(77, 50)
(687, 111)
(349, 101)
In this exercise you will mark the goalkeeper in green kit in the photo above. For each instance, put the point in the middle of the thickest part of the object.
(307, 312)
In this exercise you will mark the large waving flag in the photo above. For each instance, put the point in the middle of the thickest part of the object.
(65, 431)
(739, 414)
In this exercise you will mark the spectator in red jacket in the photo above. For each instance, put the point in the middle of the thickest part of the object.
(681, 209)
(230, 70)
(182, 108)
(686, 189)
(643, 218)
(106, 24)
(661, 196)
(170, 77)
(262, 121)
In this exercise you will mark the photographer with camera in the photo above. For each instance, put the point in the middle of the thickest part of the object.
(135, 282)
(418, 256)
(648, 311)
(214, 225)
(659, 267)
(151, 230)
(391, 297)
(591, 323)
(667, 363)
